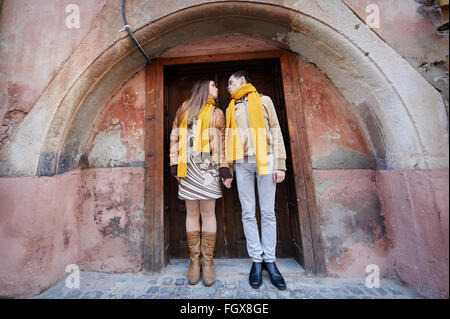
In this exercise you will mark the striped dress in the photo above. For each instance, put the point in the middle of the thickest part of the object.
(202, 179)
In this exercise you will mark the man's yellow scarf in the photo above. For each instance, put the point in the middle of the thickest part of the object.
(233, 146)
(201, 139)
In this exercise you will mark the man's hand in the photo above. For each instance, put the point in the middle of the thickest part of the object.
(278, 176)
(227, 182)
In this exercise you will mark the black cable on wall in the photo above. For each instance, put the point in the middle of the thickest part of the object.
(127, 27)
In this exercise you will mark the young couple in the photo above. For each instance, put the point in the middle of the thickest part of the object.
(206, 149)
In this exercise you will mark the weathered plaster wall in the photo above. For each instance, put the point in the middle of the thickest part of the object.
(415, 206)
(92, 218)
(38, 230)
(401, 119)
(335, 138)
(35, 44)
(117, 138)
(111, 219)
(413, 36)
(352, 223)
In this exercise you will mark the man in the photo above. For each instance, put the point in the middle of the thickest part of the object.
(254, 145)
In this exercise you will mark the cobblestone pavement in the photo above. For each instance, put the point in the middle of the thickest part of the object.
(228, 285)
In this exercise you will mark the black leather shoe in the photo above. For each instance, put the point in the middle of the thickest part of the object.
(275, 277)
(255, 277)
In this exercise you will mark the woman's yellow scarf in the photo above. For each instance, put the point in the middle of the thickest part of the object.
(201, 139)
(233, 146)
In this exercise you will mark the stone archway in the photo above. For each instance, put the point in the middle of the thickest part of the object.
(368, 72)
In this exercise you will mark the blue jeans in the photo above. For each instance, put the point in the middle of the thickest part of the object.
(264, 248)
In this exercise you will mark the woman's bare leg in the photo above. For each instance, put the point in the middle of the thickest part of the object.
(208, 213)
(209, 226)
(192, 215)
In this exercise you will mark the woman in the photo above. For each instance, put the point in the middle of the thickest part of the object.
(197, 161)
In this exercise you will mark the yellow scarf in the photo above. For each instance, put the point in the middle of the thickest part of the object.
(201, 140)
(233, 146)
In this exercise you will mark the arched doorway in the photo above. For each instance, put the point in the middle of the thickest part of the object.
(295, 206)
(347, 64)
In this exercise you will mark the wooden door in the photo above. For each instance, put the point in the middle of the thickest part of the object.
(266, 77)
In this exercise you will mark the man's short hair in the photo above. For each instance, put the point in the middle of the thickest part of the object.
(238, 74)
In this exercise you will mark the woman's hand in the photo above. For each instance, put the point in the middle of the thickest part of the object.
(173, 171)
(227, 182)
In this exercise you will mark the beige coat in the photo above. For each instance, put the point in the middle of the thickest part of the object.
(216, 138)
(273, 132)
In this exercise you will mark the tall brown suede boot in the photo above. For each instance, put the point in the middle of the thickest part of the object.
(207, 247)
(193, 240)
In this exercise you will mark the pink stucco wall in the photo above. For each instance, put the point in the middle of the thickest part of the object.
(91, 218)
(415, 205)
(33, 52)
(111, 219)
(351, 223)
(353, 228)
(101, 228)
(117, 137)
(397, 219)
(38, 231)
(412, 35)
(330, 122)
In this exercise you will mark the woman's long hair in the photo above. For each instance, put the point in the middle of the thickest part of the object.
(198, 99)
